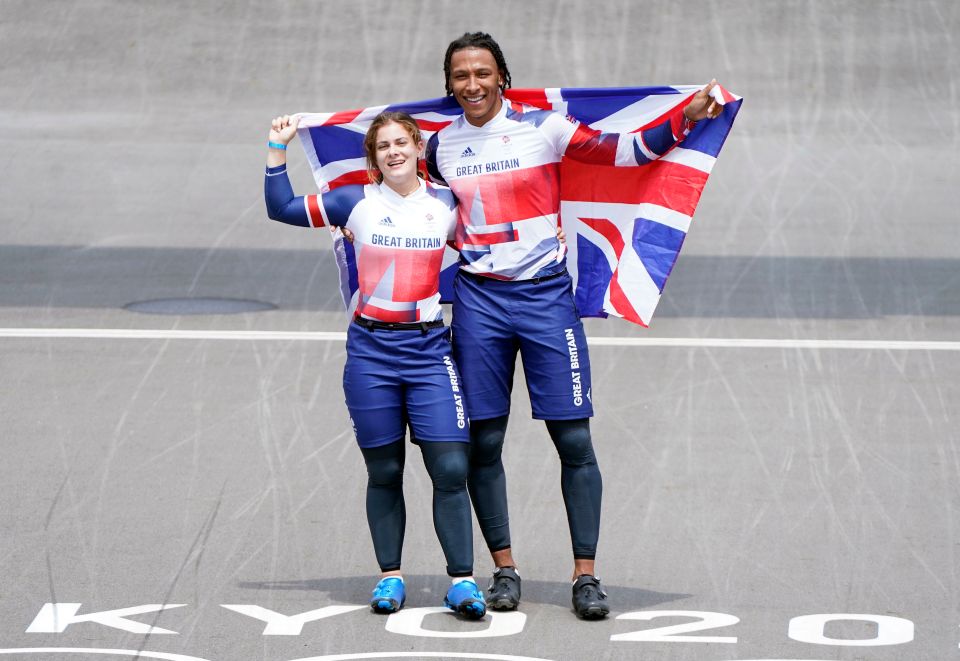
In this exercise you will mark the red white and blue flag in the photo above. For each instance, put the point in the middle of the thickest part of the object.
(624, 225)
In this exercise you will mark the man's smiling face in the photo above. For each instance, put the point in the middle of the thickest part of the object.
(475, 81)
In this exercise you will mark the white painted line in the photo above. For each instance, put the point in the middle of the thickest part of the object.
(419, 655)
(340, 336)
(138, 334)
(746, 343)
(134, 654)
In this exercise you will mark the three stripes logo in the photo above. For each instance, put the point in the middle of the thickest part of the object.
(467, 153)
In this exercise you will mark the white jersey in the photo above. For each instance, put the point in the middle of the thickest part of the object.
(506, 176)
(398, 241)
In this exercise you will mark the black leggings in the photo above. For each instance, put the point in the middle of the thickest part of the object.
(446, 464)
(580, 482)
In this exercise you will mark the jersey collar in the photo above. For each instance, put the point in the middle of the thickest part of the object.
(393, 195)
(494, 121)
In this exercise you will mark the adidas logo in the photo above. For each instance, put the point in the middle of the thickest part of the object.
(467, 153)
(386, 221)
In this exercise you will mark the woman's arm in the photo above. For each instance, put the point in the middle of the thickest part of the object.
(282, 130)
(282, 205)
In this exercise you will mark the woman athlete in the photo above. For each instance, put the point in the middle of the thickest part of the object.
(399, 366)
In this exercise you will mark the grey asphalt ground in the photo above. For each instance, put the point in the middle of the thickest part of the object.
(803, 500)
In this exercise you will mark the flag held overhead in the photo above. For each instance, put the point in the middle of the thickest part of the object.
(625, 226)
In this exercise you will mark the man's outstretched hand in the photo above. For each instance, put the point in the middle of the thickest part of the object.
(702, 105)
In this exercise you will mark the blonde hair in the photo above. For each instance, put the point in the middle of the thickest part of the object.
(370, 139)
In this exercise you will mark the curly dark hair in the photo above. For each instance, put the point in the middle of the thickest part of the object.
(476, 40)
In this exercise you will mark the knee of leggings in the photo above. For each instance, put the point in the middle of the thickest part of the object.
(573, 442)
(448, 471)
(486, 440)
(385, 473)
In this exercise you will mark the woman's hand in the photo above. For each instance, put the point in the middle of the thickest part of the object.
(283, 128)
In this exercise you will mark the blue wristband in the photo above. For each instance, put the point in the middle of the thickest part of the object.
(276, 145)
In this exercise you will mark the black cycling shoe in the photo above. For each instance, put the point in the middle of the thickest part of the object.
(504, 591)
(589, 599)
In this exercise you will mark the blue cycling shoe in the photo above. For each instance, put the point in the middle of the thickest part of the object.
(467, 599)
(388, 596)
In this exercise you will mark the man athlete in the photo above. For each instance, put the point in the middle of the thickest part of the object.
(512, 291)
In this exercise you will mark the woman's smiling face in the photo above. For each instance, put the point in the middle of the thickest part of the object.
(396, 157)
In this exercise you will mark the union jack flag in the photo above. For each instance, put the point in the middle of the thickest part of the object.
(624, 225)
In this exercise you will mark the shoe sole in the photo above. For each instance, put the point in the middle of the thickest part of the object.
(385, 606)
(470, 609)
(473, 610)
(593, 613)
(503, 604)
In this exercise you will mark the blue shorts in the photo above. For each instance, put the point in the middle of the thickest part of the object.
(393, 377)
(493, 319)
